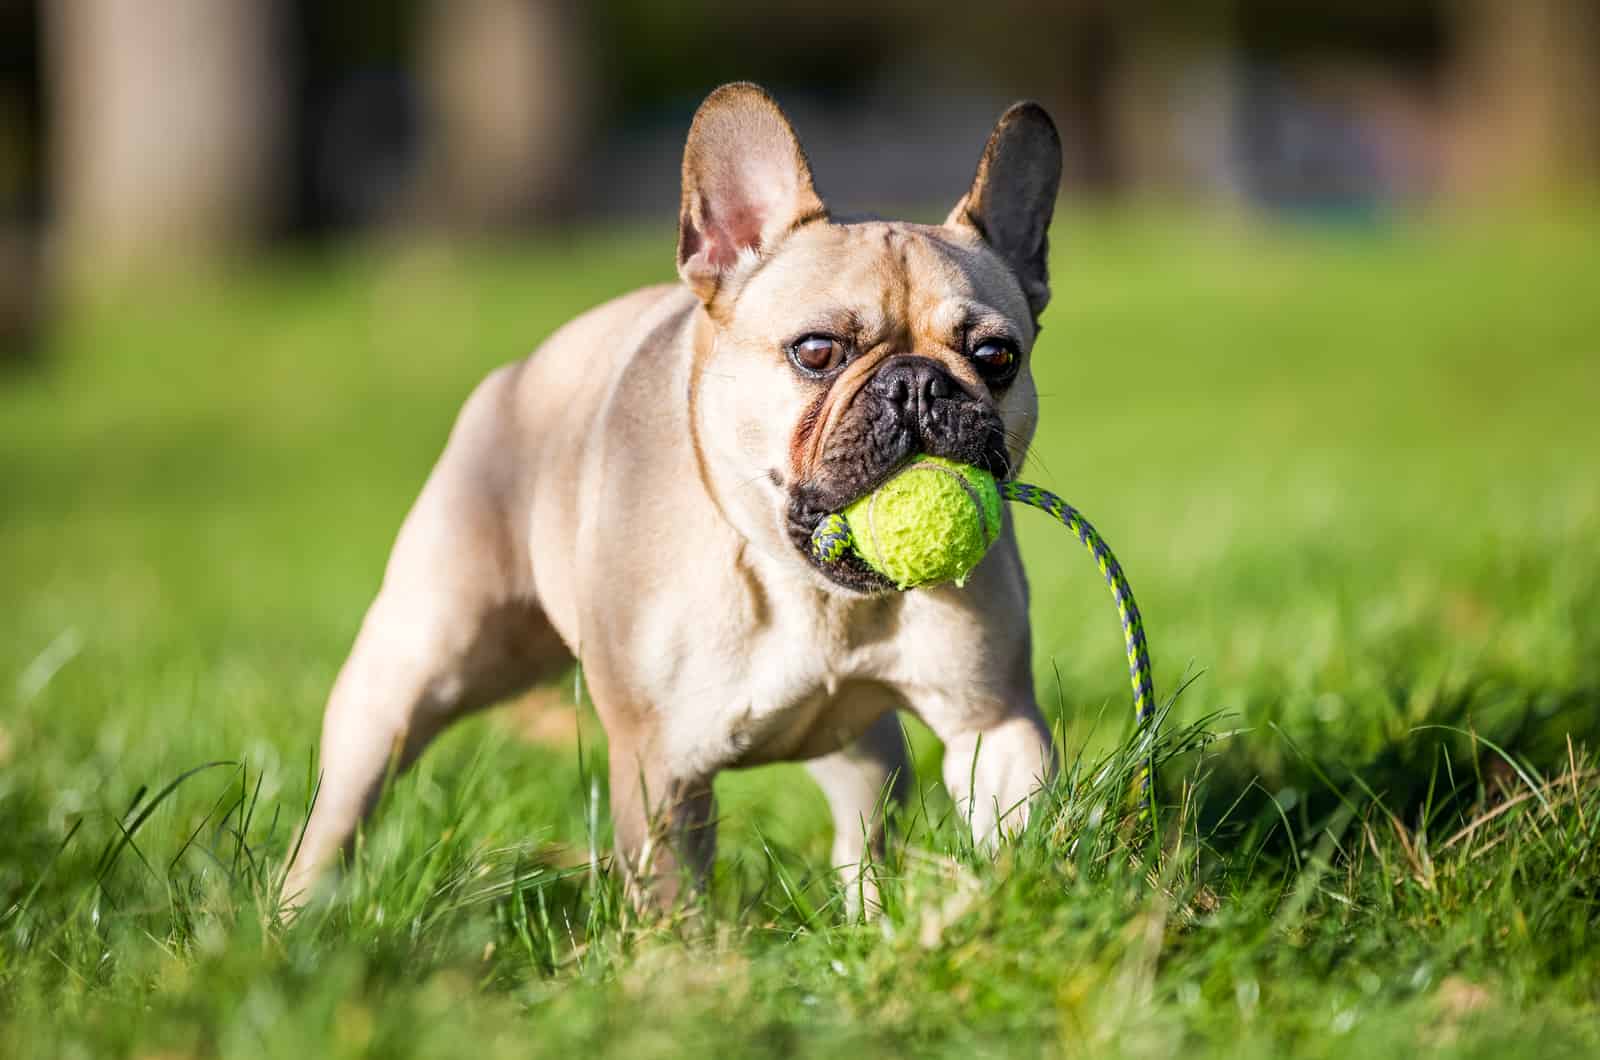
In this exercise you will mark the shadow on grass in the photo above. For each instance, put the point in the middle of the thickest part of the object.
(1476, 748)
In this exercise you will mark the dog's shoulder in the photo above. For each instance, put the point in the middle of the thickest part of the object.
(568, 375)
(620, 326)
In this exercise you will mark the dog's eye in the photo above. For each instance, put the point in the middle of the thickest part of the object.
(817, 353)
(996, 359)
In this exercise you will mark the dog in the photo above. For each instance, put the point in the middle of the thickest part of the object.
(637, 497)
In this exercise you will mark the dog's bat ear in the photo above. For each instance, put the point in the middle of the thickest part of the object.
(1013, 196)
(746, 184)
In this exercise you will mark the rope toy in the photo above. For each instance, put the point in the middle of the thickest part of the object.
(934, 521)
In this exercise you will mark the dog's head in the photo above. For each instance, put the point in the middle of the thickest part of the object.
(833, 353)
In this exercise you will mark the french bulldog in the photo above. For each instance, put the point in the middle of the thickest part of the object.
(638, 495)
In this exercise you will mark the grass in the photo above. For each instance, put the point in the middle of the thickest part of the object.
(1351, 475)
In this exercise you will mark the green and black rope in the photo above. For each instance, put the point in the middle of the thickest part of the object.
(832, 538)
(1144, 687)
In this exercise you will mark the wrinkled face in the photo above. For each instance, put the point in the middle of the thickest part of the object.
(853, 349)
(831, 354)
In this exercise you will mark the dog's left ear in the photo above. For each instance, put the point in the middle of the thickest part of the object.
(746, 184)
(1014, 195)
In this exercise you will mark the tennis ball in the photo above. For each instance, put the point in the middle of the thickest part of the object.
(931, 523)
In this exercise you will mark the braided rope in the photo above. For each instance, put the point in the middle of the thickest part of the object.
(1144, 688)
(832, 539)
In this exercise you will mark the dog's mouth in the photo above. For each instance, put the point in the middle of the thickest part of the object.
(811, 502)
(849, 570)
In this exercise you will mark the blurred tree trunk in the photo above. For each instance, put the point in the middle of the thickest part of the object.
(22, 294)
(23, 284)
(508, 92)
(1137, 85)
(1170, 102)
(1527, 97)
(1095, 51)
(168, 120)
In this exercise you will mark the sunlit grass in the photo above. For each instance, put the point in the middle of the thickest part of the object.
(1350, 474)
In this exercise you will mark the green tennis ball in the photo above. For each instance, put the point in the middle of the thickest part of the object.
(931, 523)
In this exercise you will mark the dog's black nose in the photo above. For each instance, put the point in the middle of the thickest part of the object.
(913, 383)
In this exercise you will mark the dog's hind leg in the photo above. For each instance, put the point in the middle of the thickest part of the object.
(862, 782)
(408, 676)
(453, 628)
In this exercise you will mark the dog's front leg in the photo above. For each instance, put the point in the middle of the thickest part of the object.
(424, 657)
(862, 783)
(665, 823)
(994, 763)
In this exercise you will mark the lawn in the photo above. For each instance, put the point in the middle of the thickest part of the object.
(1352, 474)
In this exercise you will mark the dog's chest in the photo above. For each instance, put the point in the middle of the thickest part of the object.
(804, 682)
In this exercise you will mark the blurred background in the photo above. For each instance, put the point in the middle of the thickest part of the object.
(1321, 364)
(132, 134)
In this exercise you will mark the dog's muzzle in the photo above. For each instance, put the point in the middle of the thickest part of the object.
(909, 407)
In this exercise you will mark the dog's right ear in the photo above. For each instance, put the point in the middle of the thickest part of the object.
(1013, 197)
(746, 184)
